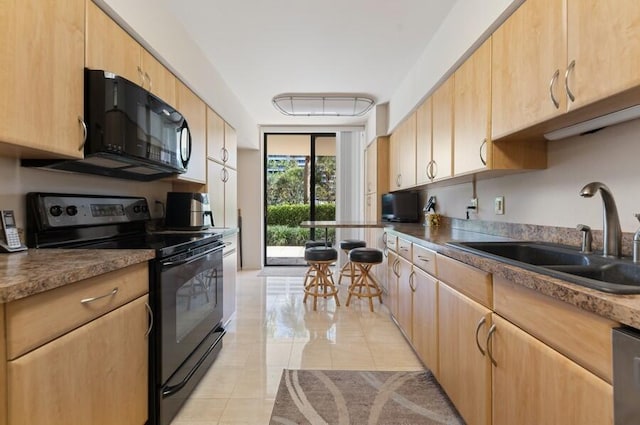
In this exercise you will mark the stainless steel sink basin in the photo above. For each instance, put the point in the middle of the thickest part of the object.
(614, 275)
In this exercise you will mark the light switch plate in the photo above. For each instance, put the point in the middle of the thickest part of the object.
(499, 205)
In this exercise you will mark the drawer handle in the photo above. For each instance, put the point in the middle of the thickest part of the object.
(480, 323)
(422, 258)
(492, 330)
(404, 249)
(92, 299)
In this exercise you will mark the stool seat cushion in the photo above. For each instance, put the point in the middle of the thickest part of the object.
(349, 244)
(320, 253)
(365, 255)
(311, 244)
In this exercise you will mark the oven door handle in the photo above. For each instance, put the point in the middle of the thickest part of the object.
(189, 260)
(170, 390)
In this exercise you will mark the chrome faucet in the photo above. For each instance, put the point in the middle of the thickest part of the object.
(612, 234)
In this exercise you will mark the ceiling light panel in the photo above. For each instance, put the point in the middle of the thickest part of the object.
(333, 105)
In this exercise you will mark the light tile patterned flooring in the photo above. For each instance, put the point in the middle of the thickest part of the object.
(272, 330)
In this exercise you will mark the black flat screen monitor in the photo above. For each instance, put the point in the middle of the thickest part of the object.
(400, 207)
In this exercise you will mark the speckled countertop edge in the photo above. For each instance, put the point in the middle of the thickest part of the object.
(621, 308)
(37, 270)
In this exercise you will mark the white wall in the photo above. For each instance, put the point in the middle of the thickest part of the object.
(17, 181)
(161, 33)
(550, 196)
(251, 204)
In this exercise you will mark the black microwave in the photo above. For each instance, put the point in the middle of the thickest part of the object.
(400, 207)
(130, 133)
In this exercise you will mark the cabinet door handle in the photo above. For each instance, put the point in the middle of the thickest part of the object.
(85, 132)
(570, 68)
(92, 299)
(412, 284)
(492, 330)
(426, 170)
(478, 326)
(141, 75)
(483, 145)
(225, 154)
(434, 169)
(148, 307)
(384, 238)
(148, 78)
(399, 180)
(551, 84)
(396, 268)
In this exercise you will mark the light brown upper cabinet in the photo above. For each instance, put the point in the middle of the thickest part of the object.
(423, 142)
(402, 151)
(221, 141)
(195, 112)
(230, 157)
(474, 150)
(472, 106)
(110, 48)
(603, 49)
(442, 131)
(215, 136)
(529, 58)
(41, 78)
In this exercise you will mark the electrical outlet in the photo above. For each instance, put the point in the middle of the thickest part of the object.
(474, 203)
(499, 205)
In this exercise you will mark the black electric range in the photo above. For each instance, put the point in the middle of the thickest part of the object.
(185, 283)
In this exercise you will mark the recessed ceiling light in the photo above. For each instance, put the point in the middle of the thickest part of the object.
(332, 105)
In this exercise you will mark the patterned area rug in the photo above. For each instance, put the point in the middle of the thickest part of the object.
(341, 397)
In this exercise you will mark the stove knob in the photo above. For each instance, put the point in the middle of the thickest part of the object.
(55, 210)
(144, 208)
(136, 209)
(72, 210)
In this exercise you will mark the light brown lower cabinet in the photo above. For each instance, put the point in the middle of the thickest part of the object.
(425, 318)
(464, 371)
(405, 297)
(95, 374)
(534, 384)
(391, 298)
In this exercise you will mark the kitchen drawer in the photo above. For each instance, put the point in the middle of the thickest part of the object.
(583, 337)
(405, 249)
(424, 258)
(392, 242)
(470, 281)
(38, 319)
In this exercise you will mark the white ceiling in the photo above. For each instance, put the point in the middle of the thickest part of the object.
(267, 47)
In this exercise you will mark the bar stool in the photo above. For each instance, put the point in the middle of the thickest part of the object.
(321, 284)
(347, 245)
(311, 244)
(363, 259)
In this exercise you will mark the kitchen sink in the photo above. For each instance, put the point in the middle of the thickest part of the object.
(614, 275)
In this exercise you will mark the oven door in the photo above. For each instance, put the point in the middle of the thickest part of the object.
(190, 305)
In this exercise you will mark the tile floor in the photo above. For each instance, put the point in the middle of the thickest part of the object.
(272, 330)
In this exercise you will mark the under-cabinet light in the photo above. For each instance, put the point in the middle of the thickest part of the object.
(595, 123)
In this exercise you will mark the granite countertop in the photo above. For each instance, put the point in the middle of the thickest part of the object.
(621, 308)
(37, 270)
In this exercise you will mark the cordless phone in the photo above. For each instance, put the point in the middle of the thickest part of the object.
(11, 242)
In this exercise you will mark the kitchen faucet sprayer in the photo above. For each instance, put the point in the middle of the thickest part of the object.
(612, 233)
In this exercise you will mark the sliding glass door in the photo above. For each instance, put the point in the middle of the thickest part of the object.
(300, 185)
